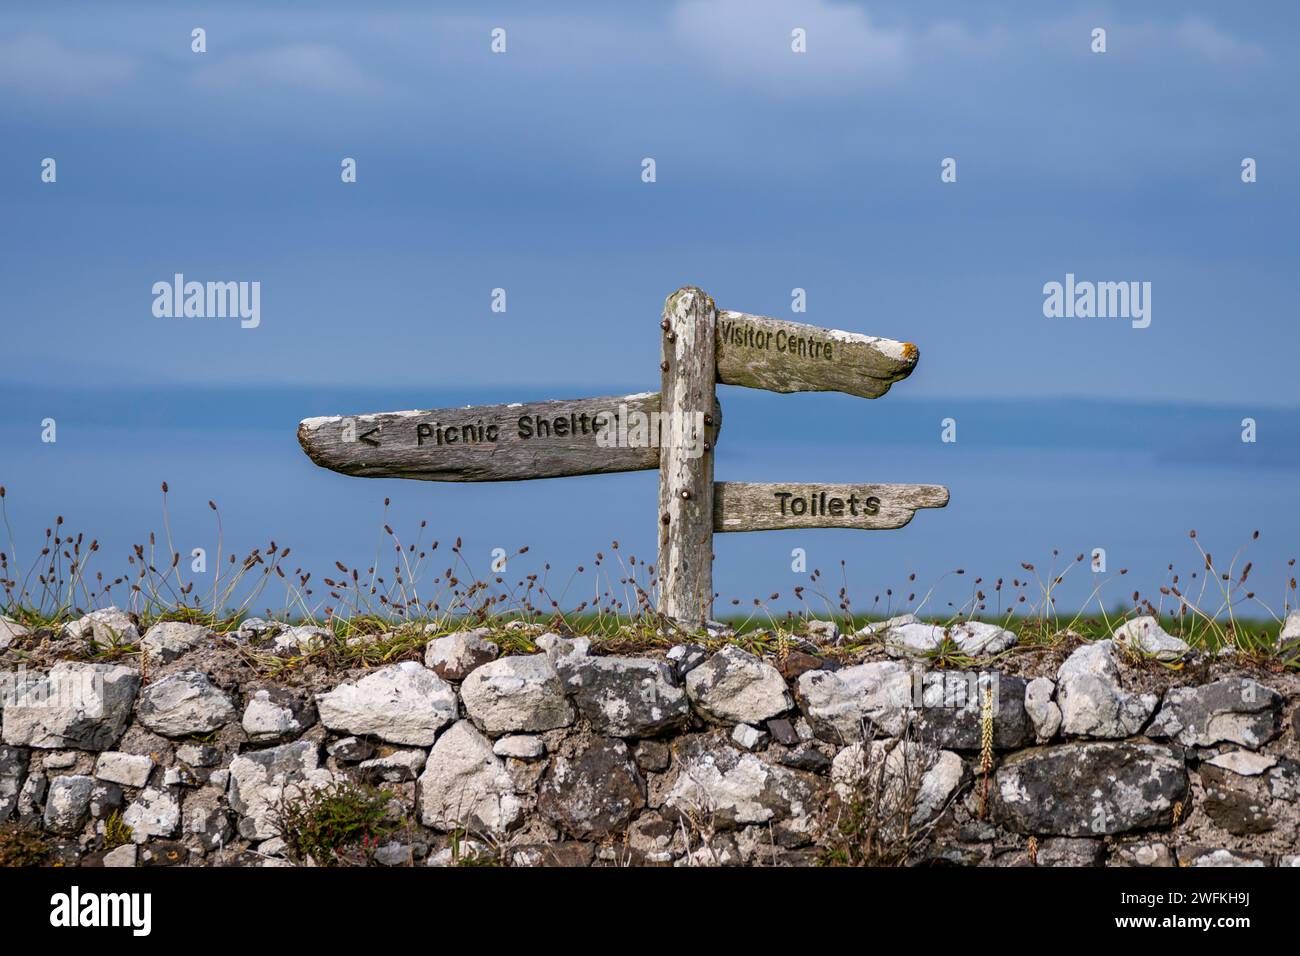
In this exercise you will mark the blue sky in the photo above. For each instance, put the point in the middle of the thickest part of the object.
(774, 171)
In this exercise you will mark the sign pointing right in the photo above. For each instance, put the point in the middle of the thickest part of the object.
(781, 356)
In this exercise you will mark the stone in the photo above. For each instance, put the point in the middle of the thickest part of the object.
(30, 798)
(1283, 781)
(912, 638)
(748, 738)
(557, 647)
(1070, 851)
(1243, 762)
(300, 640)
(1090, 789)
(130, 770)
(782, 731)
(276, 715)
(1092, 702)
(843, 705)
(60, 760)
(1043, 712)
(109, 626)
(1235, 710)
(593, 793)
(1144, 855)
(823, 632)
(465, 785)
(795, 663)
(261, 779)
(206, 819)
(123, 856)
(952, 713)
(184, 704)
(453, 656)
(1145, 636)
(154, 813)
(566, 853)
(717, 785)
(516, 694)
(857, 771)
(168, 640)
(351, 749)
(735, 687)
(520, 747)
(10, 631)
(652, 756)
(402, 703)
(805, 757)
(83, 706)
(396, 767)
(1201, 857)
(198, 755)
(13, 772)
(878, 628)
(462, 853)
(67, 804)
(1235, 803)
(624, 696)
(684, 658)
(395, 854)
(254, 628)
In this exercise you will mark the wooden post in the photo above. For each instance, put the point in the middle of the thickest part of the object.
(688, 405)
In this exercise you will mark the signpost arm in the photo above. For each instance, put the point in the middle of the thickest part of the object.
(686, 457)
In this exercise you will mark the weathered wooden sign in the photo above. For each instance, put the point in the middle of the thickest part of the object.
(674, 430)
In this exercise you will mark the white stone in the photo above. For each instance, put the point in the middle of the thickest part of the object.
(154, 813)
(1042, 710)
(108, 626)
(1288, 636)
(1243, 762)
(520, 746)
(84, 706)
(67, 804)
(129, 770)
(735, 687)
(402, 703)
(969, 638)
(857, 767)
(557, 647)
(1092, 702)
(1147, 637)
(876, 628)
(183, 704)
(261, 780)
(168, 640)
(842, 703)
(300, 640)
(517, 693)
(465, 784)
(122, 856)
(746, 737)
(823, 632)
(454, 656)
(10, 631)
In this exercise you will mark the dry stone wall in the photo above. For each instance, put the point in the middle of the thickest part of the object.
(1134, 751)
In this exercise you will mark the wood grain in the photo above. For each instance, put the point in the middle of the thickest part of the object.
(751, 506)
(686, 479)
(780, 356)
(509, 442)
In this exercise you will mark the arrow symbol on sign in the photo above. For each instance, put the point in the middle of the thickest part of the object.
(365, 437)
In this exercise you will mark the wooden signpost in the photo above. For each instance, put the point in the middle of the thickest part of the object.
(674, 430)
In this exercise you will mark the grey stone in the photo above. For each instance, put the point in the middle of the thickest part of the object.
(130, 770)
(84, 706)
(351, 749)
(1070, 851)
(60, 760)
(879, 628)
(67, 805)
(717, 785)
(198, 755)
(952, 714)
(1145, 636)
(516, 694)
(453, 656)
(1235, 803)
(1092, 702)
(841, 705)
(782, 731)
(557, 647)
(396, 767)
(1043, 712)
(123, 856)
(10, 631)
(300, 640)
(969, 638)
(1288, 638)
(109, 626)
(183, 704)
(1144, 855)
(594, 792)
(466, 785)
(261, 780)
(276, 715)
(735, 687)
(899, 766)
(1202, 857)
(402, 703)
(1234, 710)
(206, 819)
(684, 658)
(624, 696)
(1243, 762)
(652, 756)
(1090, 789)
(168, 640)
(823, 632)
(13, 772)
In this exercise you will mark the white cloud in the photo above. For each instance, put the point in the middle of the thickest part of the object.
(748, 41)
(41, 65)
(307, 66)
